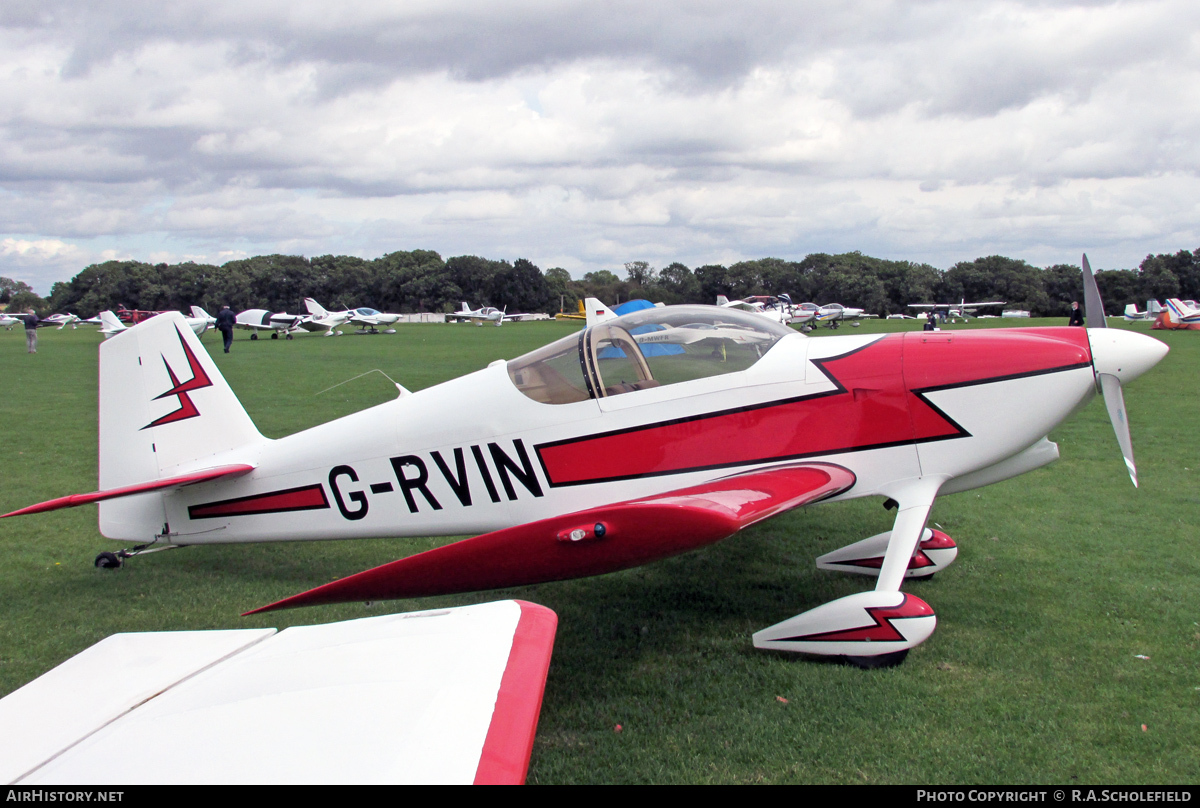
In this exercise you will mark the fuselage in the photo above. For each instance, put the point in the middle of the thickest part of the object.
(477, 453)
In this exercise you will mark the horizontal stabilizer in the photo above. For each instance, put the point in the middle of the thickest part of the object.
(591, 542)
(192, 478)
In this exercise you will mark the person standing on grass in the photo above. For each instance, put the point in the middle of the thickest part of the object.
(1076, 314)
(225, 321)
(31, 324)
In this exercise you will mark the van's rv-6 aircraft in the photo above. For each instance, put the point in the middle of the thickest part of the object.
(591, 457)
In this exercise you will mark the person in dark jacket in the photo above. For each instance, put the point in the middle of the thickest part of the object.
(1076, 314)
(225, 322)
(31, 324)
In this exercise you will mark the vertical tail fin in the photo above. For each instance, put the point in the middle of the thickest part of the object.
(165, 409)
(110, 326)
(597, 312)
(315, 308)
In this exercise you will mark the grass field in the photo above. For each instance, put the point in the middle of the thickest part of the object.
(1065, 576)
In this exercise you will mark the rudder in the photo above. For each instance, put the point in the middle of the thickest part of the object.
(165, 409)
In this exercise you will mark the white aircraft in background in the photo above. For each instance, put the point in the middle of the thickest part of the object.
(369, 320)
(63, 320)
(832, 315)
(111, 325)
(1182, 312)
(256, 320)
(8, 322)
(200, 314)
(778, 308)
(484, 314)
(955, 311)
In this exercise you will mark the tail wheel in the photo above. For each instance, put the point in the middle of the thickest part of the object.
(108, 561)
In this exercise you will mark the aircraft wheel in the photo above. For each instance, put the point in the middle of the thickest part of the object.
(274, 335)
(881, 661)
(253, 335)
(291, 336)
(108, 561)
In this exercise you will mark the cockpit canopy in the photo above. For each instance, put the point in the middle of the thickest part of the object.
(645, 349)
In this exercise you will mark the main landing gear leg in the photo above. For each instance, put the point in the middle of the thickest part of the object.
(113, 561)
(877, 628)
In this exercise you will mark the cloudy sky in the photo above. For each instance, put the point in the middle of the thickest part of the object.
(588, 134)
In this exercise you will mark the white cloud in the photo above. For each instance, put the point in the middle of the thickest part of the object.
(585, 134)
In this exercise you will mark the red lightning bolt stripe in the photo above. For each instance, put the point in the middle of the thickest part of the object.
(199, 379)
(880, 630)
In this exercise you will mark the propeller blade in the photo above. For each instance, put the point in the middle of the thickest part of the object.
(1093, 306)
(1114, 400)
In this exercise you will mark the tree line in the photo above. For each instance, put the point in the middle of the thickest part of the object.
(420, 280)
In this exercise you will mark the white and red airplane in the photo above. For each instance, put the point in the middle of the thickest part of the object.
(587, 456)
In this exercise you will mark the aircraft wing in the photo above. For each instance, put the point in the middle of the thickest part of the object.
(446, 696)
(590, 542)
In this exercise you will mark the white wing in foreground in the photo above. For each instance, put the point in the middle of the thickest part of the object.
(447, 696)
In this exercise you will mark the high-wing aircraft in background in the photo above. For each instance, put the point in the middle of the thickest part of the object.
(369, 320)
(955, 311)
(588, 456)
(8, 322)
(484, 314)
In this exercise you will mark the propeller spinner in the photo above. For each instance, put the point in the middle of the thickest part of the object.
(1118, 357)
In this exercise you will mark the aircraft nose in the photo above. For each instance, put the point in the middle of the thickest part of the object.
(1124, 354)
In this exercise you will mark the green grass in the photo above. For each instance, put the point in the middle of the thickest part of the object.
(1065, 574)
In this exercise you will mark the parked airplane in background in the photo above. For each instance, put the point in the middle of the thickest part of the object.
(62, 321)
(369, 320)
(778, 308)
(955, 311)
(256, 320)
(8, 322)
(485, 314)
(111, 325)
(1182, 312)
(200, 314)
(594, 456)
(833, 314)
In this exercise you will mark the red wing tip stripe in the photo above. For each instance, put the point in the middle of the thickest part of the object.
(304, 498)
(508, 746)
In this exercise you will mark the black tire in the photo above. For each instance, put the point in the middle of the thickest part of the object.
(881, 661)
(108, 561)
(254, 335)
(274, 335)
